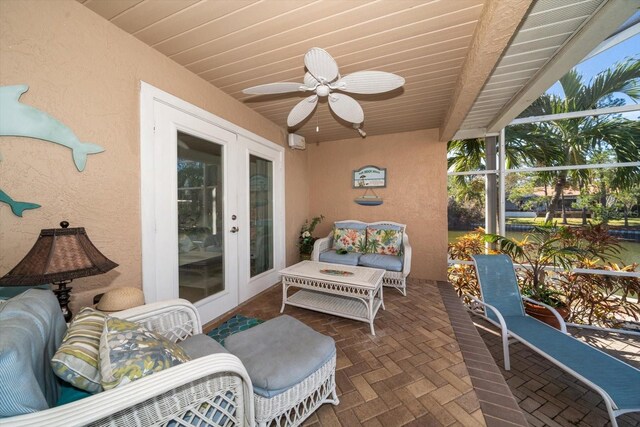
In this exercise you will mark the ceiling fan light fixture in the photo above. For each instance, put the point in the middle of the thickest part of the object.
(323, 90)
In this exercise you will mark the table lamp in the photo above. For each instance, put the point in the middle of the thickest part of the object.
(59, 256)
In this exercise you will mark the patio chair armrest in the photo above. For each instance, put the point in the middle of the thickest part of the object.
(504, 332)
(218, 379)
(175, 319)
(563, 325)
(406, 257)
(321, 245)
(502, 323)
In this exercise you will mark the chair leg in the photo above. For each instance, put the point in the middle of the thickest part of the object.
(505, 349)
(612, 415)
(334, 396)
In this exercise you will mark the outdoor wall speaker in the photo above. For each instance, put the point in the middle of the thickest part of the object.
(297, 142)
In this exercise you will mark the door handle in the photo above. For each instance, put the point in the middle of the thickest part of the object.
(234, 229)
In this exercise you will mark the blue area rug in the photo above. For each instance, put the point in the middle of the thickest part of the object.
(236, 324)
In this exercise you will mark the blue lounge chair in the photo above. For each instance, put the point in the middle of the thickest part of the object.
(617, 382)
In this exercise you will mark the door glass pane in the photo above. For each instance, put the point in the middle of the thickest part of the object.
(261, 214)
(200, 228)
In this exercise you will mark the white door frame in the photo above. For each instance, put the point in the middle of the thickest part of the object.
(149, 97)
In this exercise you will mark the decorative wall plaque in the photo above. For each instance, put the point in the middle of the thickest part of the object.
(370, 177)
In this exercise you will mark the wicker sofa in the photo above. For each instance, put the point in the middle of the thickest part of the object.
(203, 388)
(397, 267)
(212, 389)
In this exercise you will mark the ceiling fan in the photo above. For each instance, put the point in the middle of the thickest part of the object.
(324, 79)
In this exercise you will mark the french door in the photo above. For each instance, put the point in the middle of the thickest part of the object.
(263, 204)
(212, 209)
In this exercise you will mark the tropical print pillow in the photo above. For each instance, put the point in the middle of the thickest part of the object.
(129, 351)
(76, 360)
(349, 239)
(385, 242)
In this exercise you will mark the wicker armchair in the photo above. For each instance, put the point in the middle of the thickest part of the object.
(209, 391)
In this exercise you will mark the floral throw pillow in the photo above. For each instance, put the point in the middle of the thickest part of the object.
(76, 360)
(129, 351)
(350, 239)
(385, 242)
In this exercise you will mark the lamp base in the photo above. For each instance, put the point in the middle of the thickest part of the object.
(62, 293)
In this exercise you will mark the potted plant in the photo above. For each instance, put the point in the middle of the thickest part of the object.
(543, 247)
(306, 239)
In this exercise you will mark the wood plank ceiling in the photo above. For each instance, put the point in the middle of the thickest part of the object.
(547, 28)
(234, 44)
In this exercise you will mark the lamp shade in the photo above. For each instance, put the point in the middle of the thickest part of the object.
(59, 254)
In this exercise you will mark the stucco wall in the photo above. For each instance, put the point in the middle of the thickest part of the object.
(86, 72)
(416, 192)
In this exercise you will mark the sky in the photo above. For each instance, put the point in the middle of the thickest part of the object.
(591, 67)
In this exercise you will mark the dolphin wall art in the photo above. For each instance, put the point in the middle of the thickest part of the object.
(18, 119)
(16, 207)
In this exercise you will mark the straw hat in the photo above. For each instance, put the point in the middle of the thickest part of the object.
(120, 299)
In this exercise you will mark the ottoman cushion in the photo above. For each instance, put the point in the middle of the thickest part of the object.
(280, 353)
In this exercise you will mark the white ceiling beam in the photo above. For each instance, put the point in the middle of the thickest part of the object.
(605, 21)
(497, 25)
(576, 114)
(614, 40)
(473, 133)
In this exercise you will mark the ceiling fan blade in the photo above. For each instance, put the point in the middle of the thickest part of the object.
(271, 88)
(310, 81)
(367, 82)
(321, 65)
(302, 110)
(346, 108)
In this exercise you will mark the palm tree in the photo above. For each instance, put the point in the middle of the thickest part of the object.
(570, 141)
(465, 155)
(576, 141)
(469, 154)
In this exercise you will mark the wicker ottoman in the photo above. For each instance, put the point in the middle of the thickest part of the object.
(292, 368)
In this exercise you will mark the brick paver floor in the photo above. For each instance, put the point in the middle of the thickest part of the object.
(417, 371)
(411, 373)
(548, 395)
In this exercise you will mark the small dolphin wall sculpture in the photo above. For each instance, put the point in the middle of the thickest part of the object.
(16, 207)
(17, 119)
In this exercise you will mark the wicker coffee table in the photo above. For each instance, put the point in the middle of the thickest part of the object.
(341, 290)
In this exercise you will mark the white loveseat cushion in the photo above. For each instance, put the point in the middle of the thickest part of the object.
(385, 262)
(350, 258)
